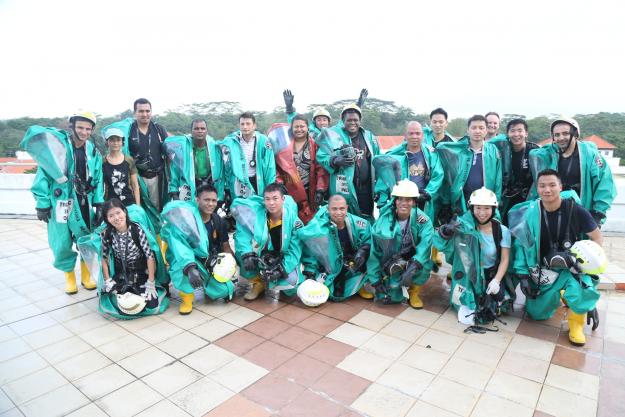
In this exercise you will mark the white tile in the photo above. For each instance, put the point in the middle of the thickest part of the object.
(520, 365)
(238, 374)
(365, 364)
(563, 403)
(404, 330)
(103, 334)
(104, 381)
(133, 326)
(209, 358)
(21, 366)
(573, 381)
(440, 341)
(34, 385)
(171, 378)
(386, 346)
(380, 401)
(421, 317)
(58, 402)
(64, 349)
(201, 397)
(216, 309)
(163, 409)
(188, 321)
(480, 353)
(32, 324)
(182, 344)
(82, 365)
(83, 324)
(491, 406)
(514, 388)
(159, 332)
(425, 359)
(129, 400)
(13, 348)
(241, 317)
(532, 347)
(451, 396)
(90, 410)
(123, 347)
(70, 312)
(370, 320)
(351, 334)
(47, 336)
(424, 409)
(146, 361)
(467, 373)
(5, 402)
(213, 330)
(406, 379)
(6, 334)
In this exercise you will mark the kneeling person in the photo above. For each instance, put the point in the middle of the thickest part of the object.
(337, 244)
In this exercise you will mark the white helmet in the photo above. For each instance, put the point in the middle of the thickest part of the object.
(591, 257)
(405, 188)
(320, 111)
(565, 119)
(313, 293)
(225, 267)
(483, 197)
(114, 131)
(131, 304)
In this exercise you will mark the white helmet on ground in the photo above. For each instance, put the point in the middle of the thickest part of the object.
(591, 257)
(405, 188)
(483, 197)
(131, 304)
(313, 293)
(225, 267)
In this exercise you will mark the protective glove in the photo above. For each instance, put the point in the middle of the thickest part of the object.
(98, 213)
(563, 260)
(150, 290)
(445, 214)
(250, 261)
(593, 316)
(412, 268)
(362, 98)
(341, 161)
(362, 254)
(288, 101)
(524, 286)
(493, 287)
(424, 197)
(448, 230)
(275, 273)
(598, 216)
(174, 196)
(43, 214)
(309, 275)
(195, 279)
(319, 197)
(109, 284)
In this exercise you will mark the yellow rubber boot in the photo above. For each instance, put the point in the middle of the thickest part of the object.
(85, 277)
(576, 328)
(255, 290)
(436, 257)
(163, 246)
(187, 303)
(70, 283)
(414, 300)
(363, 293)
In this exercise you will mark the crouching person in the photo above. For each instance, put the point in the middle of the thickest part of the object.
(477, 246)
(125, 256)
(195, 259)
(551, 259)
(266, 242)
(402, 245)
(337, 245)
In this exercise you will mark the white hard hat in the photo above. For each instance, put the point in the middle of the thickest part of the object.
(313, 293)
(352, 107)
(405, 188)
(131, 304)
(225, 268)
(83, 115)
(320, 111)
(591, 257)
(483, 197)
(114, 131)
(565, 119)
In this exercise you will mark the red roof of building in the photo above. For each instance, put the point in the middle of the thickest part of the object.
(16, 166)
(597, 140)
(388, 142)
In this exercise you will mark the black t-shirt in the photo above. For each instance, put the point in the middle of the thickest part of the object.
(580, 222)
(140, 146)
(446, 138)
(475, 180)
(80, 163)
(117, 180)
(362, 174)
(346, 243)
(217, 231)
(569, 170)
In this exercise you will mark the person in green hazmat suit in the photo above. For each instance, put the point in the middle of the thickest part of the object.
(321, 117)
(336, 245)
(248, 160)
(493, 122)
(545, 231)
(477, 246)
(401, 245)
(469, 164)
(124, 255)
(195, 245)
(67, 188)
(266, 241)
(436, 133)
(346, 152)
(581, 167)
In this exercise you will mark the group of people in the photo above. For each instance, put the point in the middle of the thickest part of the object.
(318, 211)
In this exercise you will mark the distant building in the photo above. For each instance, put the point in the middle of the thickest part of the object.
(388, 142)
(18, 165)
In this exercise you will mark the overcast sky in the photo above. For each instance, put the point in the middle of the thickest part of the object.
(525, 57)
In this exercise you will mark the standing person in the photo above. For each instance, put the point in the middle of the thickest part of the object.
(206, 157)
(493, 121)
(582, 168)
(119, 170)
(346, 152)
(67, 188)
(437, 132)
(297, 168)
(248, 160)
(547, 231)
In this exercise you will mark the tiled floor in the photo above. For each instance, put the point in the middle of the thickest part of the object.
(59, 356)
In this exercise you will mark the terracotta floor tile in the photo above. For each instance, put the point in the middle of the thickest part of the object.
(593, 344)
(434, 306)
(329, 351)
(303, 369)
(541, 414)
(238, 406)
(261, 305)
(358, 302)
(579, 361)
(540, 331)
(269, 355)
(341, 386)
(291, 314)
(239, 342)
(611, 390)
(267, 327)
(273, 391)
(391, 310)
(557, 318)
(339, 311)
(296, 338)
(614, 350)
(320, 324)
(309, 404)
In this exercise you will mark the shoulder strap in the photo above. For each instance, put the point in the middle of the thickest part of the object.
(497, 236)
(134, 232)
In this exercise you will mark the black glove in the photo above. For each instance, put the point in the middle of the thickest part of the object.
(362, 98)
(424, 196)
(593, 316)
(412, 268)
(309, 275)
(319, 197)
(341, 161)
(448, 230)
(362, 254)
(598, 216)
(275, 273)
(288, 101)
(43, 214)
(227, 198)
(195, 279)
(174, 196)
(250, 261)
(561, 260)
(98, 213)
(524, 286)
(445, 214)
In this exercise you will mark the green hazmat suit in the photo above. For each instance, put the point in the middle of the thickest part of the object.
(330, 140)
(252, 236)
(188, 244)
(91, 250)
(456, 158)
(386, 241)
(428, 137)
(434, 175)
(580, 290)
(235, 166)
(179, 151)
(597, 188)
(54, 187)
(152, 212)
(322, 252)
